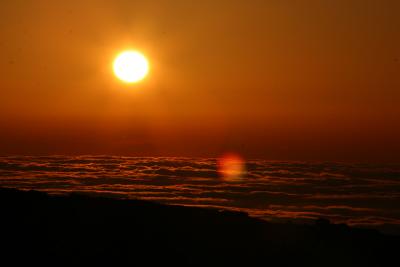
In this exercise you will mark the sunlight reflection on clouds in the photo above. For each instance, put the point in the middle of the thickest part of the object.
(358, 194)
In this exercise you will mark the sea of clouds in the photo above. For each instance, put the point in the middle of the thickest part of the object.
(366, 195)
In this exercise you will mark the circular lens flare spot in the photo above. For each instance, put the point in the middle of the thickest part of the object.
(231, 167)
(131, 66)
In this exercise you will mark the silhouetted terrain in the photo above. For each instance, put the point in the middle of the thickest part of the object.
(38, 228)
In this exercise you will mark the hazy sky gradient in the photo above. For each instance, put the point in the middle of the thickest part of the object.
(267, 79)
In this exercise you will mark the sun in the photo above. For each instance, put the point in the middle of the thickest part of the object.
(131, 66)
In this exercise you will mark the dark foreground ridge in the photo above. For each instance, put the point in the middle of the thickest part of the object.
(77, 229)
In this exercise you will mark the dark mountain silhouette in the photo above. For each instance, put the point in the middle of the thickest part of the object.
(78, 229)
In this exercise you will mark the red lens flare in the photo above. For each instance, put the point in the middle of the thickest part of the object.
(231, 167)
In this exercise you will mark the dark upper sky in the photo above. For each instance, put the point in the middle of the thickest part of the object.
(267, 79)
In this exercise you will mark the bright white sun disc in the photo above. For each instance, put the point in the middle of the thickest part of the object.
(131, 66)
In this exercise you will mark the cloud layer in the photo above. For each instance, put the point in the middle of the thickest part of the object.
(356, 194)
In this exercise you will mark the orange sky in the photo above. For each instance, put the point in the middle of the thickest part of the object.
(267, 79)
